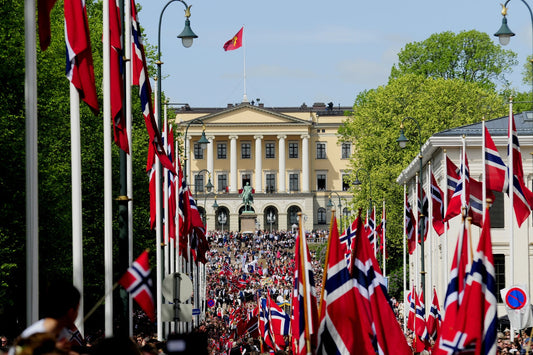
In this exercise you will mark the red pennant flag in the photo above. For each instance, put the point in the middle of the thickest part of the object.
(235, 42)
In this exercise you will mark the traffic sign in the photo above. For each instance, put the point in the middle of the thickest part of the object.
(210, 303)
(195, 311)
(516, 298)
(179, 281)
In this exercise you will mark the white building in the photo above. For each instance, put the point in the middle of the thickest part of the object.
(512, 246)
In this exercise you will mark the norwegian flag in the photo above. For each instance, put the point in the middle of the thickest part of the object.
(172, 180)
(437, 200)
(117, 82)
(183, 212)
(459, 199)
(264, 324)
(79, 68)
(279, 323)
(371, 295)
(495, 168)
(347, 238)
(453, 177)
(412, 310)
(423, 214)
(139, 77)
(370, 228)
(304, 319)
(434, 319)
(44, 7)
(458, 272)
(420, 324)
(522, 196)
(410, 226)
(138, 283)
(342, 329)
(381, 231)
(474, 328)
(150, 171)
(476, 201)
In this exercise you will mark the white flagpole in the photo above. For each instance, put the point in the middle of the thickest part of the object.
(511, 193)
(483, 161)
(404, 258)
(244, 98)
(165, 194)
(108, 190)
(32, 191)
(77, 231)
(429, 218)
(383, 215)
(129, 166)
(374, 233)
(446, 269)
(159, 267)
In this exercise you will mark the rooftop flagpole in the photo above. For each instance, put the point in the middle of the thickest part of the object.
(244, 98)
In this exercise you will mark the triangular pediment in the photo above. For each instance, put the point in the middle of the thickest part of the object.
(251, 116)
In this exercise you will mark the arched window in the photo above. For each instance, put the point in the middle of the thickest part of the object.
(321, 215)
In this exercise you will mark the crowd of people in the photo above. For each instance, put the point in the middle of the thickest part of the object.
(241, 269)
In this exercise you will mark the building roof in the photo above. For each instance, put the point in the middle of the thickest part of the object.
(496, 126)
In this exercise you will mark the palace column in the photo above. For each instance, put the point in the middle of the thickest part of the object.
(258, 164)
(305, 162)
(210, 155)
(233, 163)
(282, 173)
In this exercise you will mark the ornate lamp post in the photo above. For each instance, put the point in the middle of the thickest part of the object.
(330, 202)
(402, 141)
(504, 34)
(222, 219)
(271, 219)
(208, 188)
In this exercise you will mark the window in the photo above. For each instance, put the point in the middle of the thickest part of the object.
(222, 151)
(293, 182)
(321, 181)
(199, 183)
(246, 178)
(499, 271)
(497, 211)
(293, 150)
(222, 182)
(270, 182)
(198, 151)
(345, 182)
(270, 150)
(246, 150)
(321, 150)
(346, 150)
(321, 215)
(293, 216)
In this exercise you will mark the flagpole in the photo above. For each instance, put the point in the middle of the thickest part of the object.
(430, 230)
(483, 161)
(76, 193)
(303, 268)
(159, 266)
(325, 276)
(404, 257)
(446, 268)
(384, 240)
(244, 98)
(166, 214)
(511, 192)
(108, 190)
(129, 164)
(32, 168)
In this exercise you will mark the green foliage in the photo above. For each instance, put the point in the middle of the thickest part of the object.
(437, 104)
(469, 55)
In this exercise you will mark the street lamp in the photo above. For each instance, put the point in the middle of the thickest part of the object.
(203, 141)
(222, 219)
(271, 219)
(330, 202)
(358, 182)
(402, 141)
(187, 36)
(504, 34)
(208, 188)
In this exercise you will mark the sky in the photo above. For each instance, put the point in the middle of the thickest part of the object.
(310, 51)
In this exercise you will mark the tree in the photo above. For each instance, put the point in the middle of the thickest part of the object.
(469, 55)
(373, 128)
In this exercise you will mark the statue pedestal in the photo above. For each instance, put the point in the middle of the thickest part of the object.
(248, 222)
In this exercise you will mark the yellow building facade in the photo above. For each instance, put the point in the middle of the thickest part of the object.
(291, 157)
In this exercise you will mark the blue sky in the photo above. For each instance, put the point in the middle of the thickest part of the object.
(309, 51)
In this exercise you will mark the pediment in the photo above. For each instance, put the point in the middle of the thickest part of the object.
(248, 115)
